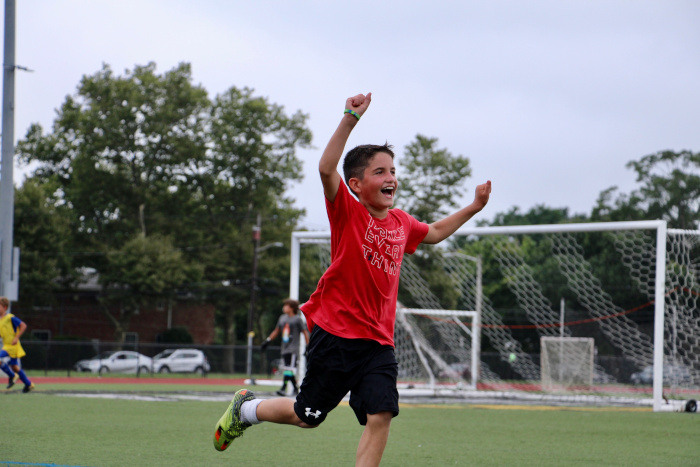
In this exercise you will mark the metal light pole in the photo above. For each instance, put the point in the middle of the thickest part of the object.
(7, 194)
(257, 249)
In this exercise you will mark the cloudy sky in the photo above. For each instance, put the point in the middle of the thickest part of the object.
(548, 99)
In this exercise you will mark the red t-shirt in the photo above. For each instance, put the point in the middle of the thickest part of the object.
(356, 296)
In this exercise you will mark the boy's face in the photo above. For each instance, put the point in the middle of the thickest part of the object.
(378, 186)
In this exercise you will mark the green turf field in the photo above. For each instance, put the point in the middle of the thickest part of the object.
(46, 428)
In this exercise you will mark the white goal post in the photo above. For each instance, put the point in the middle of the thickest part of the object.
(437, 370)
(660, 264)
(660, 227)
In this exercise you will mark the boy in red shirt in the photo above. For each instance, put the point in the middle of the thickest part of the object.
(353, 310)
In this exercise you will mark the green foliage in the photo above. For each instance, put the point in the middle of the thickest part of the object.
(163, 185)
(431, 180)
(141, 271)
(428, 259)
(44, 235)
(539, 214)
(537, 253)
(153, 185)
(147, 265)
(669, 189)
(120, 147)
(177, 335)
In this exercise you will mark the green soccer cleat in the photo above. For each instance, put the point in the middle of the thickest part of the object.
(230, 426)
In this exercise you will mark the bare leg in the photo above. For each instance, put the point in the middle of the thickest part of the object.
(373, 440)
(279, 410)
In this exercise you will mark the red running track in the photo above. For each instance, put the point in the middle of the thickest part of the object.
(134, 380)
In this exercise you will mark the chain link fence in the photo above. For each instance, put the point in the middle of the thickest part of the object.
(62, 356)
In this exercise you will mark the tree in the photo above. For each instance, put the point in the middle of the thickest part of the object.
(253, 154)
(43, 232)
(144, 270)
(431, 181)
(537, 252)
(539, 214)
(149, 154)
(120, 149)
(669, 189)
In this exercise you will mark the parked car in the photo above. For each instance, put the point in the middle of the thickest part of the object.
(119, 361)
(181, 361)
(673, 374)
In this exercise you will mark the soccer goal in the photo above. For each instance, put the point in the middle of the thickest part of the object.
(628, 289)
(437, 350)
(566, 362)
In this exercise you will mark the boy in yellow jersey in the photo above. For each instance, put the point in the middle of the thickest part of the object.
(11, 328)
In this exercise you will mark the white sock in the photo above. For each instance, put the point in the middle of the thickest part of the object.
(249, 411)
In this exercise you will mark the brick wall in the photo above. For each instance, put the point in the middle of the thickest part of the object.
(81, 316)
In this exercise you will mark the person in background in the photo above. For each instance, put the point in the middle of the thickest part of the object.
(290, 325)
(11, 328)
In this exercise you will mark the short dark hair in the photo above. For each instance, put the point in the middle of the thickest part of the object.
(294, 304)
(357, 159)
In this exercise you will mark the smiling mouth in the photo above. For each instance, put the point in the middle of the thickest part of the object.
(388, 191)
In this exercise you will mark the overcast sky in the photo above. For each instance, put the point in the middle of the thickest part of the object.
(548, 99)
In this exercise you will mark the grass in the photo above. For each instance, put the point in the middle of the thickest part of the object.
(45, 428)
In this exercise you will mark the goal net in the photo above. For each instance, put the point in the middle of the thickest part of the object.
(566, 363)
(436, 349)
(630, 288)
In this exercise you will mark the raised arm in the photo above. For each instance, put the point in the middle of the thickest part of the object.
(328, 165)
(443, 228)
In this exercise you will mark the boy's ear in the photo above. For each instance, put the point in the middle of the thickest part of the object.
(354, 184)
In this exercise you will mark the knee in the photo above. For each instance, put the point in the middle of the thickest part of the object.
(379, 420)
(306, 417)
(302, 424)
(296, 421)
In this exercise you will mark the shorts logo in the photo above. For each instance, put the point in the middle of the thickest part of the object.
(309, 413)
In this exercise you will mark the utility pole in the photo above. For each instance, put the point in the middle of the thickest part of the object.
(253, 290)
(257, 249)
(8, 283)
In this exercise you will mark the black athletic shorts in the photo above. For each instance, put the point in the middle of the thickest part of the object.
(335, 366)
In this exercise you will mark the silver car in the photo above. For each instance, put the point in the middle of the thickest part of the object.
(181, 361)
(119, 361)
(673, 374)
